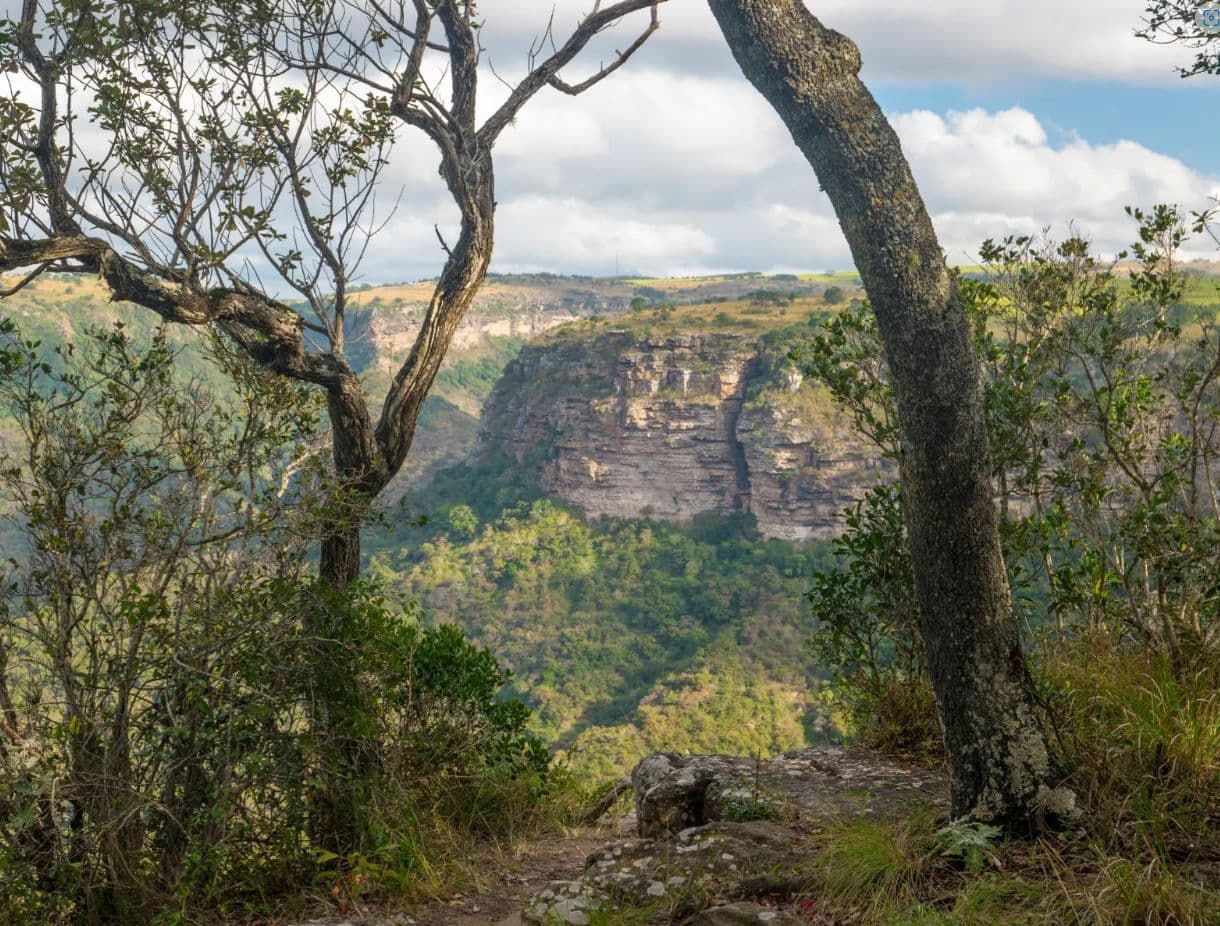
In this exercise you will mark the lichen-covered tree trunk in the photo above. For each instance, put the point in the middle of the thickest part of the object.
(1001, 767)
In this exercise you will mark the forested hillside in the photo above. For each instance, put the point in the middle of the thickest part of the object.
(629, 635)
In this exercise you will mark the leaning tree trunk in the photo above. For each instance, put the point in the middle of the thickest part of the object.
(1000, 765)
(367, 458)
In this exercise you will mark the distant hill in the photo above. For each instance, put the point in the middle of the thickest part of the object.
(383, 322)
(640, 606)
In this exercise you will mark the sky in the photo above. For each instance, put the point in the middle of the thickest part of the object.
(1015, 116)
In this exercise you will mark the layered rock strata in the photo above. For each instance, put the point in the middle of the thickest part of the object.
(627, 425)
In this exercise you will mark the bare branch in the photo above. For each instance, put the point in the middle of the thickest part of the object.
(620, 59)
(547, 72)
(441, 239)
(26, 280)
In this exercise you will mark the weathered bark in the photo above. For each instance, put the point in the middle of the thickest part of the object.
(367, 458)
(1001, 767)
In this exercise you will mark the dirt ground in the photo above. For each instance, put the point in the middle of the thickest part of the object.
(534, 864)
(508, 881)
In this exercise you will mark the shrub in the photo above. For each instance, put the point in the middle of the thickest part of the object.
(1101, 418)
(866, 631)
(176, 699)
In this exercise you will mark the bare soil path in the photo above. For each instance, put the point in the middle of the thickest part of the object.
(506, 881)
(530, 868)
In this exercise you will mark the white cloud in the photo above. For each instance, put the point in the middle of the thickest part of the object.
(676, 164)
(650, 198)
(540, 233)
(971, 41)
(678, 143)
(976, 168)
(978, 42)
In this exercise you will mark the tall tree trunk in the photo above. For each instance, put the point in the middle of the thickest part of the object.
(340, 563)
(1000, 765)
(367, 458)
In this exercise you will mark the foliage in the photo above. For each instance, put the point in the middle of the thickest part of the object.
(865, 605)
(628, 635)
(968, 841)
(165, 664)
(1143, 746)
(772, 297)
(1103, 411)
(1103, 404)
(1173, 21)
(1103, 414)
(747, 802)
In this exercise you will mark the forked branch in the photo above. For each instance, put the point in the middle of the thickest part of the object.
(547, 73)
(620, 59)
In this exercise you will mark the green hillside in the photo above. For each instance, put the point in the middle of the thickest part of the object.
(630, 636)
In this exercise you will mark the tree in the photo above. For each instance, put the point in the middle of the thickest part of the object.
(1001, 767)
(1176, 22)
(174, 149)
(158, 756)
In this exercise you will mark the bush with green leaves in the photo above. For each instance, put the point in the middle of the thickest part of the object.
(178, 699)
(1103, 398)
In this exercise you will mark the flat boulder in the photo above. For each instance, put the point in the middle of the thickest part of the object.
(819, 784)
(676, 876)
(718, 833)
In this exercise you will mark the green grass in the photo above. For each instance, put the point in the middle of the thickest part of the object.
(877, 873)
(1143, 744)
(874, 864)
(1142, 748)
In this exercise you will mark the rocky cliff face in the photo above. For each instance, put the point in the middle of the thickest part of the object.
(382, 339)
(631, 425)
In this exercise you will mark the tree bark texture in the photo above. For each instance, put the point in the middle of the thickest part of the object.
(1001, 768)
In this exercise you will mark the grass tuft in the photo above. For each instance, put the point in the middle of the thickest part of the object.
(1143, 747)
(877, 864)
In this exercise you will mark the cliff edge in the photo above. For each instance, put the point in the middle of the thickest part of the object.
(634, 425)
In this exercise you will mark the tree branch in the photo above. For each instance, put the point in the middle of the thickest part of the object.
(269, 331)
(621, 58)
(547, 72)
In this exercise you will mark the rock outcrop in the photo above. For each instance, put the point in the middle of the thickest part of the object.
(629, 425)
(718, 833)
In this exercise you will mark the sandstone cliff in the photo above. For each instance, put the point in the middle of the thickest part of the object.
(632, 425)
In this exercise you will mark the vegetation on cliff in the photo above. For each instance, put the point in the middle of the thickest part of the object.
(628, 635)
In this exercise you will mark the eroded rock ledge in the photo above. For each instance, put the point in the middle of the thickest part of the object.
(630, 425)
(715, 833)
